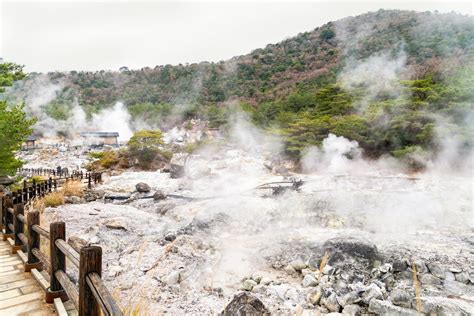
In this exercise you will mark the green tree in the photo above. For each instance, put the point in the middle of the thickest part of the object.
(15, 127)
(143, 148)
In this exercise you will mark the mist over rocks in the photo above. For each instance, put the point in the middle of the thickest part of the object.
(236, 224)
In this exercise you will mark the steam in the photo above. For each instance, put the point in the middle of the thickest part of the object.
(43, 91)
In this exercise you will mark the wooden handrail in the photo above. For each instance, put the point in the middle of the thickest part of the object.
(102, 295)
(70, 252)
(40, 230)
(92, 295)
(69, 287)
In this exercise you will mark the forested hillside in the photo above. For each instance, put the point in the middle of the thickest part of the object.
(384, 79)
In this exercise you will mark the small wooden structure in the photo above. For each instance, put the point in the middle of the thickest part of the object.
(100, 138)
(30, 143)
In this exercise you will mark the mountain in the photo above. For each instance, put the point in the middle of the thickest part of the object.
(345, 67)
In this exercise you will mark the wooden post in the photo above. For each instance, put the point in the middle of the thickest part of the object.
(25, 192)
(50, 184)
(90, 261)
(57, 230)
(33, 218)
(8, 218)
(2, 209)
(89, 181)
(18, 209)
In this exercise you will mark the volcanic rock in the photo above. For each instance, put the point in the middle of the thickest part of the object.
(401, 298)
(142, 187)
(159, 195)
(380, 307)
(177, 165)
(343, 249)
(244, 304)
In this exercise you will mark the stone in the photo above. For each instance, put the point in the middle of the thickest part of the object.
(172, 278)
(159, 195)
(248, 285)
(348, 298)
(142, 187)
(455, 270)
(343, 248)
(399, 265)
(372, 292)
(401, 298)
(115, 224)
(257, 278)
(309, 280)
(380, 307)
(437, 270)
(170, 236)
(290, 270)
(330, 302)
(462, 277)
(298, 264)
(177, 165)
(351, 310)
(314, 296)
(244, 304)
(449, 276)
(421, 266)
(359, 287)
(328, 270)
(73, 200)
(429, 279)
(456, 288)
(386, 267)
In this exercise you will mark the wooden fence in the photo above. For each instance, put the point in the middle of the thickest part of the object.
(91, 295)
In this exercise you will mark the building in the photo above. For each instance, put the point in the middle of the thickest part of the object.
(100, 138)
(30, 143)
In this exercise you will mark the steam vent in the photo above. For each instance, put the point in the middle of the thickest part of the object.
(329, 173)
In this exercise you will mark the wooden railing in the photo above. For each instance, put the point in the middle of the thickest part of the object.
(90, 296)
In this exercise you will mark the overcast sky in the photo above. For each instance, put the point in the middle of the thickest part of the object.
(93, 35)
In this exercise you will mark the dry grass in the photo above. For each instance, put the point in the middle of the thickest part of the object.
(73, 188)
(53, 199)
(136, 306)
(323, 263)
(416, 285)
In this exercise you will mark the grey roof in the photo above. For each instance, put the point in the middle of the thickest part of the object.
(31, 138)
(100, 134)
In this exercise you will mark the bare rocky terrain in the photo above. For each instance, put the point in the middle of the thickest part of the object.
(371, 241)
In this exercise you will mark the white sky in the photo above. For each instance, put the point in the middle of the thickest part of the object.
(93, 35)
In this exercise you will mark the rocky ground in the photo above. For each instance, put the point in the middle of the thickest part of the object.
(376, 242)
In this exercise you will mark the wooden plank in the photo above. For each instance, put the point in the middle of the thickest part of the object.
(11, 272)
(8, 259)
(11, 278)
(58, 305)
(5, 269)
(30, 288)
(17, 284)
(9, 294)
(12, 263)
(21, 299)
(22, 256)
(40, 279)
(22, 309)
